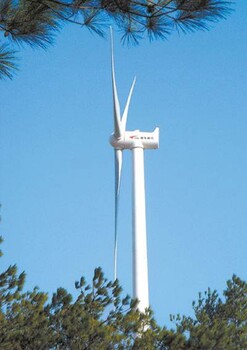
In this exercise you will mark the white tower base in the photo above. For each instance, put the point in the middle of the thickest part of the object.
(140, 262)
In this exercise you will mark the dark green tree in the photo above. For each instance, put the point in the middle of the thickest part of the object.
(23, 318)
(35, 22)
(101, 318)
(219, 323)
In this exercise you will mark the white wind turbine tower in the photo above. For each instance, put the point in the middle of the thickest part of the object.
(137, 142)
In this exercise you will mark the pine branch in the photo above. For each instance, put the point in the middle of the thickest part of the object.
(7, 62)
(36, 22)
(31, 22)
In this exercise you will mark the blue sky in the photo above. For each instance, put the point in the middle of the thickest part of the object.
(57, 175)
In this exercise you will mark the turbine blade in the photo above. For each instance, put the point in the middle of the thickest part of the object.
(126, 109)
(116, 106)
(118, 170)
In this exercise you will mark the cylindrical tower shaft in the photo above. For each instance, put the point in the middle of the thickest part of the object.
(140, 261)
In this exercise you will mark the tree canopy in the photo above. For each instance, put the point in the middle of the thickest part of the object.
(100, 317)
(36, 22)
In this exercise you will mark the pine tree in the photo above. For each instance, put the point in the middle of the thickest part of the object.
(219, 323)
(101, 318)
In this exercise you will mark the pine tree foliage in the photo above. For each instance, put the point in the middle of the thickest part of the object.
(7, 61)
(36, 22)
(101, 318)
(219, 323)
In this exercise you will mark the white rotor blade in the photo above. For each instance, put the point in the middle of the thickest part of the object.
(126, 109)
(117, 115)
(118, 169)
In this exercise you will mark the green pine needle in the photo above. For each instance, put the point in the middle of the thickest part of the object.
(7, 62)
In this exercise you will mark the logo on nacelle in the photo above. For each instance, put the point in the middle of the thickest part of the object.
(135, 137)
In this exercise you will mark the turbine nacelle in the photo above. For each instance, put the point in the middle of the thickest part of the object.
(136, 138)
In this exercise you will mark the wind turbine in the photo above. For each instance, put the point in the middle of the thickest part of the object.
(137, 142)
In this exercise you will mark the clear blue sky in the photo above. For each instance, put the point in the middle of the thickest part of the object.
(57, 176)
